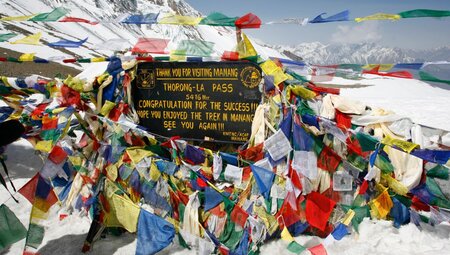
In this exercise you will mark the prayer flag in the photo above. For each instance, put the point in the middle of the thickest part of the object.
(340, 231)
(179, 20)
(31, 39)
(212, 198)
(419, 13)
(218, 19)
(379, 16)
(67, 43)
(318, 210)
(150, 45)
(27, 57)
(264, 179)
(153, 233)
(249, 20)
(318, 250)
(149, 18)
(54, 15)
(342, 16)
(11, 229)
(295, 247)
(79, 20)
(194, 48)
(245, 48)
(6, 37)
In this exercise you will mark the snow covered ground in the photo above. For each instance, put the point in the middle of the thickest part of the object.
(422, 102)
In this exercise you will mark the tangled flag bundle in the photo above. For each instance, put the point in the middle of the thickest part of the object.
(316, 163)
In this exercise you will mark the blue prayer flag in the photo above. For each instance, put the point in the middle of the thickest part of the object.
(194, 154)
(302, 140)
(342, 16)
(149, 18)
(339, 232)
(400, 213)
(264, 179)
(153, 233)
(212, 198)
(67, 43)
(286, 125)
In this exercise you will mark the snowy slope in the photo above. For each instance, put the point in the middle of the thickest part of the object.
(109, 12)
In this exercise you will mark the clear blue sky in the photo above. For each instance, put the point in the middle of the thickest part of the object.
(419, 33)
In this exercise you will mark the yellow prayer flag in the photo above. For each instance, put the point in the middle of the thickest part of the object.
(76, 161)
(245, 48)
(27, 57)
(111, 172)
(300, 91)
(383, 67)
(39, 211)
(137, 154)
(348, 217)
(154, 172)
(379, 16)
(18, 18)
(177, 55)
(180, 20)
(268, 219)
(381, 205)
(270, 68)
(395, 185)
(107, 107)
(45, 146)
(31, 39)
(286, 236)
(99, 59)
(125, 211)
(404, 145)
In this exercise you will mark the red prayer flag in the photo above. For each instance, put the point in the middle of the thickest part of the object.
(399, 74)
(230, 56)
(150, 45)
(328, 159)
(318, 210)
(318, 250)
(344, 121)
(254, 153)
(249, 20)
(239, 216)
(363, 188)
(29, 189)
(57, 155)
(79, 20)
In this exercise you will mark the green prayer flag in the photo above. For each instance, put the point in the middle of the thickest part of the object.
(366, 141)
(439, 171)
(229, 237)
(11, 59)
(383, 164)
(11, 229)
(418, 13)
(295, 247)
(6, 37)
(54, 15)
(435, 189)
(35, 235)
(194, 48)
(424, 76)
(360, 214)
(218, 19)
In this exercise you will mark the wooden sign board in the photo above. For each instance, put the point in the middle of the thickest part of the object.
(212, 100)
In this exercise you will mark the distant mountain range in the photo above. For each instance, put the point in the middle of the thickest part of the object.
(363, 53)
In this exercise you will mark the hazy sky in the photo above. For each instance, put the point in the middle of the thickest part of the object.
(419, 33)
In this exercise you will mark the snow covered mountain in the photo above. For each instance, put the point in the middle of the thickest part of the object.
(363, 53)
(109, 12)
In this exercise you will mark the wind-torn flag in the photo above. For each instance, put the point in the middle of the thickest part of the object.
(342, 16)
(67, 43)
(153, 234)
